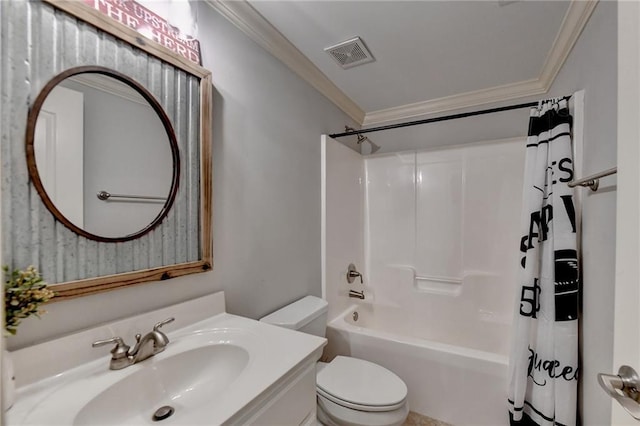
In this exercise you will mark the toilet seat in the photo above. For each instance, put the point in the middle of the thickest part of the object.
(360, 385)
(332, 414)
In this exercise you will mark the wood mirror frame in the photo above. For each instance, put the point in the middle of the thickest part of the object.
(32, 121)
(73, 289)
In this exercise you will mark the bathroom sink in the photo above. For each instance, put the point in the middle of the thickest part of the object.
(183, 381)
(189, 376)
(222, 370)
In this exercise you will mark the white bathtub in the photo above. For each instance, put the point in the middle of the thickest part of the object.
(458, 377)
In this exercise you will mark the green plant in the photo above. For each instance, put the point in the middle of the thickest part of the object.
(24, 292)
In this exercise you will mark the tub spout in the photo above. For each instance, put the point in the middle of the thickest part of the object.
(356, 294)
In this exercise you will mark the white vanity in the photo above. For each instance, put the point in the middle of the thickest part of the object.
(217, 369)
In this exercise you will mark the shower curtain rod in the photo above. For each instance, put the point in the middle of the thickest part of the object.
(436, 119)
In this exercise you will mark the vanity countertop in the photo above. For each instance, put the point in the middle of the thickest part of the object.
(273, 353)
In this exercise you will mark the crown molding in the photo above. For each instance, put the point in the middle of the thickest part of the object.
(249, 21)
(572, 25)
(458, 101)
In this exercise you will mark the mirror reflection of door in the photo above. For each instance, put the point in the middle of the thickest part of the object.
(59, 151)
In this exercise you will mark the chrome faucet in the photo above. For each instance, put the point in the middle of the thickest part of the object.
(122, 355)
(356, 294)
(352, 274)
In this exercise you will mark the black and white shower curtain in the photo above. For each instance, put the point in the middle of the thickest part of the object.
(543, 369)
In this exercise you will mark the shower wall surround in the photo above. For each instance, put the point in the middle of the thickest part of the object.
(436, 230)
(342, 222)
(445, 222)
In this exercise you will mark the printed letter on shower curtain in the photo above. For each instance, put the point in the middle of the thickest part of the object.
(543, 369)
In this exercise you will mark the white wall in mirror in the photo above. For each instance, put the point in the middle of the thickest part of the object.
(126, 151)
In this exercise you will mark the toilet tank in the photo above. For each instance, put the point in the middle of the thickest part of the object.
(308, 315)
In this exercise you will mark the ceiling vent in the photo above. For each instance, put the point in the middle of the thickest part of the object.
(350, 53)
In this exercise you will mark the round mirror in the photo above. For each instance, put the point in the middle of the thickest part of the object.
(102, 154)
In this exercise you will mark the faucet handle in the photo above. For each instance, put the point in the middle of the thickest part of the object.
(161, 323)
(352, 274)
(120, 350)
(163, 340)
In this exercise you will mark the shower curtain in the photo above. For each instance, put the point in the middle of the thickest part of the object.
(543, 369)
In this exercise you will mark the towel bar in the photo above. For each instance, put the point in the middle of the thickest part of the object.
(104, 196)
(593, 181)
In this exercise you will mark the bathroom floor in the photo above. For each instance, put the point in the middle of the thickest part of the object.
(415, 419)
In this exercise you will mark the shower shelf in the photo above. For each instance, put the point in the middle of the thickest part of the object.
(438, 285)
(438, 279)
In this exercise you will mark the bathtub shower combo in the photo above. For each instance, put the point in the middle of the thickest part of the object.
(433, 234)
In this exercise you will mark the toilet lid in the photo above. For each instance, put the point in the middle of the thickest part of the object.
(358, 383)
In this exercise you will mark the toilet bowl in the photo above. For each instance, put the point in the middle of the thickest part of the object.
(350, 391)
(355, 392)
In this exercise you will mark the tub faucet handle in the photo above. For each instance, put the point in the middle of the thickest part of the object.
(352, 274)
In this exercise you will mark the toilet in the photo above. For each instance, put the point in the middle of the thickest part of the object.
(350, 391)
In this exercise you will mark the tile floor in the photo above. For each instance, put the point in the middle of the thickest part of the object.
(416, 419)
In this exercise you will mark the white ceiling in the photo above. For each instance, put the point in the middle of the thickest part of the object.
(433, 56)
(424, 50)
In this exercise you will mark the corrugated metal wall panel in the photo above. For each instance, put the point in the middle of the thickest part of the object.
(39, 42)
(192, 172)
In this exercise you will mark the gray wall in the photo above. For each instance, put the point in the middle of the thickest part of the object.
(267, 189)
(592, 66)
(266, 146)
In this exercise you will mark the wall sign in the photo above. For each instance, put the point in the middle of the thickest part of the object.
(150, 25)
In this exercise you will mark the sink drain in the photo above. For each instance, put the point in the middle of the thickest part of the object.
(162, 413)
